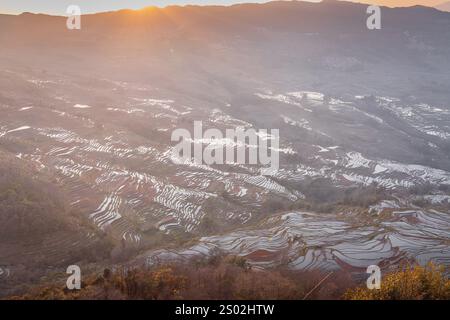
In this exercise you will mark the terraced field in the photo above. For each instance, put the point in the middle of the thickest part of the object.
(127, 184)
(364, 173)
(308, 241)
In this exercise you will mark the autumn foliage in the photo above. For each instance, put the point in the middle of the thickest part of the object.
(232, 278)
(411, 283)
(212, 278)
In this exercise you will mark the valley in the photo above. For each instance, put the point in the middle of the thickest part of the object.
(364, 173)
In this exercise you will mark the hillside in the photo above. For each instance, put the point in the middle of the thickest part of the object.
(86, 119)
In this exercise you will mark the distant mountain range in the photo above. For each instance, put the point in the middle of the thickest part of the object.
(363, 117)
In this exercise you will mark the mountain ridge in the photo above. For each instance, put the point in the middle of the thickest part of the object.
(363, 118)
(234, 6)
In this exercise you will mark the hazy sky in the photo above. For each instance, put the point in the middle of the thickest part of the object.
(59, 6)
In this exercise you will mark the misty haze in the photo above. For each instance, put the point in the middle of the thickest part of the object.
(88, 179)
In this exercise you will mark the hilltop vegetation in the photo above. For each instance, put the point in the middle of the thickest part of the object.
(39, 232)
(413, 283)
(218, 277)
(30, 207)
(231, 278)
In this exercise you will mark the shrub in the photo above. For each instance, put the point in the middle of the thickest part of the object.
(412, 283)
